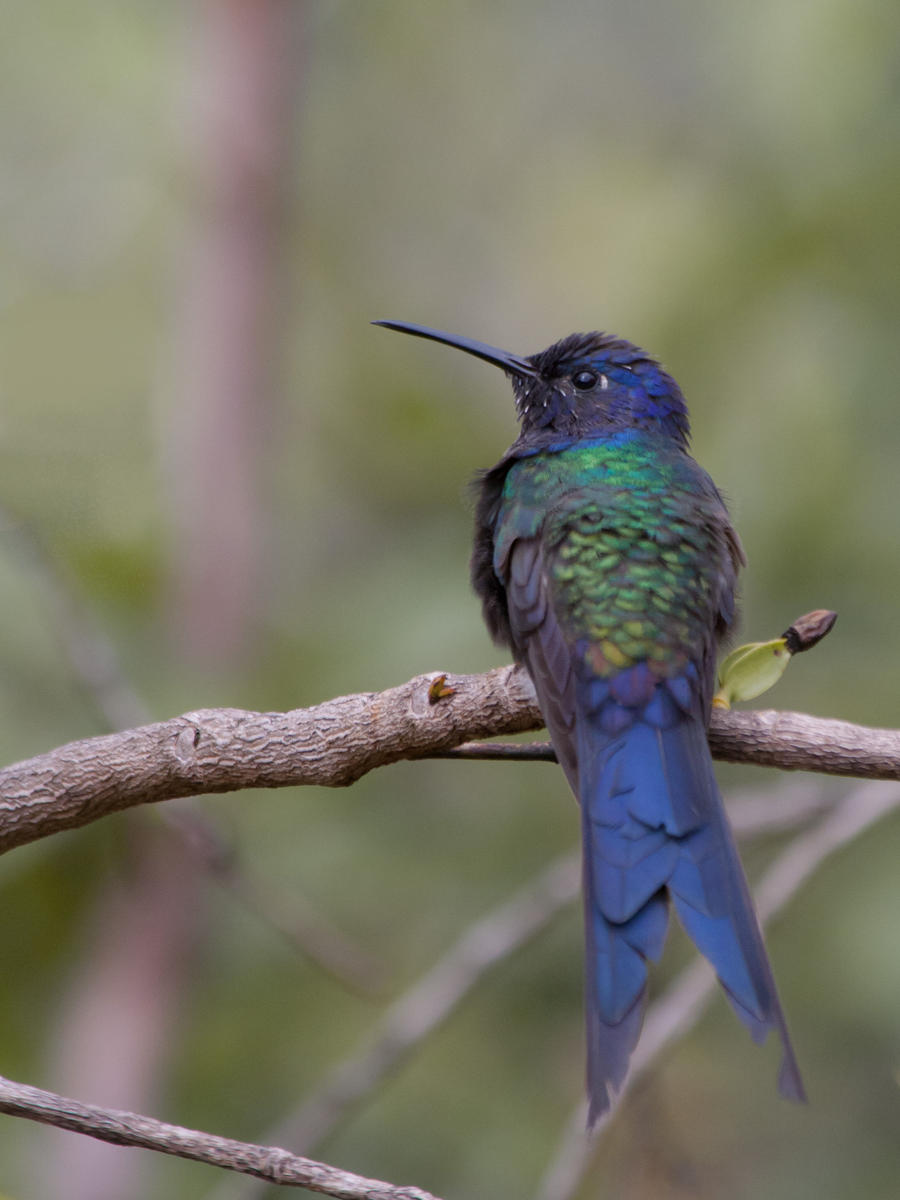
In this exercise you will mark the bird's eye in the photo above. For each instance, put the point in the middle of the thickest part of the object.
(584, 380)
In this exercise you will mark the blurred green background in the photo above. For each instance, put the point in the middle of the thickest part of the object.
(213, 466)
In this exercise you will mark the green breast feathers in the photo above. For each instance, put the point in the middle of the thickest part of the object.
(634, 539)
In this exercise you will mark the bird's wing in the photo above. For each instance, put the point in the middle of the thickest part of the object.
(545, 651)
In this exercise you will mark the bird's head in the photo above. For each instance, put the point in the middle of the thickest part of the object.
(587, 383)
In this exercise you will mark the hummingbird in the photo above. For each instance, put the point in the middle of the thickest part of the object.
(606, 561)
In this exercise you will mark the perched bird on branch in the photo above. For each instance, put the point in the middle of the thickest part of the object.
(605, 559)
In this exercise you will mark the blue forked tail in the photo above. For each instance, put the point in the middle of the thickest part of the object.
(654, 827)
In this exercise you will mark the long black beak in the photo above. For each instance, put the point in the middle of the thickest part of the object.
(500, 358)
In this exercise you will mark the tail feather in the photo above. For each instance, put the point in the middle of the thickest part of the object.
(616, 988)
(654, 826)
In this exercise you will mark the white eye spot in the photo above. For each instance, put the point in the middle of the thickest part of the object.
(604, 383)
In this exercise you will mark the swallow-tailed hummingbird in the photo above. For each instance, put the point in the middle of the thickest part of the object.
(606, 561)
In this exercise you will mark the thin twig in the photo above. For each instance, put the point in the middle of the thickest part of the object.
(680, 1007)
(130, 1129)
(791, 802)
(335, 743)
(501, 752)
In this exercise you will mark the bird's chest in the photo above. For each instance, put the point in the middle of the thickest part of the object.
(630, 551)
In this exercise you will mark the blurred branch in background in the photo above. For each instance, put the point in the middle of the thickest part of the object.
(245, 72)
(423, 1008)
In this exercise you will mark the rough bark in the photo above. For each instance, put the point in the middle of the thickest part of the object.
(333, 744)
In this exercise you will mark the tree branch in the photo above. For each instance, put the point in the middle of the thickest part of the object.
(129, 1129)
(333, 744)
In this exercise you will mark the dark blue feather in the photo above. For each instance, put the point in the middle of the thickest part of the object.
(654, 826)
